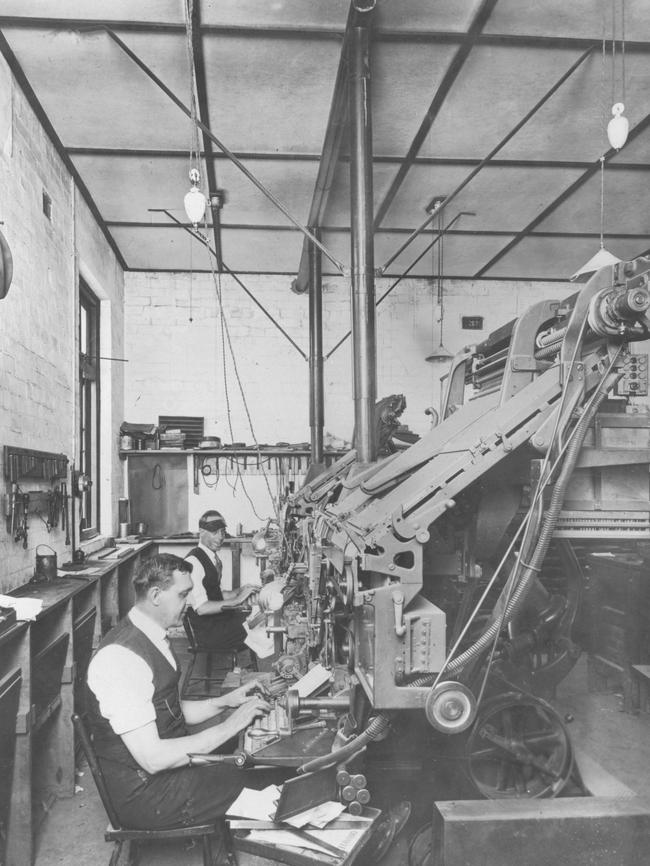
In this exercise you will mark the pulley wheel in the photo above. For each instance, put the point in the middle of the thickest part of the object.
(293, 703)
(450, 707)
(421, 847)
(518, 748)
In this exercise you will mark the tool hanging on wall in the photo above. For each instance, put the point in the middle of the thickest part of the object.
(80, 484)
(26, 465)
(65, 514)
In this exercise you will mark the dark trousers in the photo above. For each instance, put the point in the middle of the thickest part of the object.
(219, 632)
(187, 795)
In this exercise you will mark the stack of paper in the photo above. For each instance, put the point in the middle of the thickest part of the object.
(26, 608)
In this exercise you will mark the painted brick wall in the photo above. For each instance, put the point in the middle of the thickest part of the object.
(174, 343)
(37, 318)
(175, 348)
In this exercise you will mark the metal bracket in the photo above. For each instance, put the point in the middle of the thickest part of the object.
(69, 674)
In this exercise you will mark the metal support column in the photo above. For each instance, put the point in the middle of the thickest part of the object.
(362, 275)
(316, 391)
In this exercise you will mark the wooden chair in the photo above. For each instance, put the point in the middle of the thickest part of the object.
(119, 835)
(207, 669)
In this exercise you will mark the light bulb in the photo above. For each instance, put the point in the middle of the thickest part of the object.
(618, 127)
(194, 201)
(258, 543)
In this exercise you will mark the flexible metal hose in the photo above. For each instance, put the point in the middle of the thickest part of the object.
(376, 727)
(531, 568)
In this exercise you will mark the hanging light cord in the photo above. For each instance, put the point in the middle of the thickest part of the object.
(623, 50)
(226, 340)
(614, 52)
(195, 146)
(441, 265)
(602, 201)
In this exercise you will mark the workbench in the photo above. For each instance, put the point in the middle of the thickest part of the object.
(43, 665)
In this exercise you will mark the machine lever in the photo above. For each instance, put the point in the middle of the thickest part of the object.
(241, 759)
(398, 608)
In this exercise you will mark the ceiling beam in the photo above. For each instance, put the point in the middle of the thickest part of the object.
(274, 156)
(567, 193)
(154, 27)
(381, 34)
(334, 131)
(480, 20)
(340, 230)
(166, 90)
(43, 119)
(442, 202)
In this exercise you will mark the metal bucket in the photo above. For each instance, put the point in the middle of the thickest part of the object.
(45, 564)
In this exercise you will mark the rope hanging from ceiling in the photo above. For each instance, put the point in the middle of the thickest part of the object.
(195, 163)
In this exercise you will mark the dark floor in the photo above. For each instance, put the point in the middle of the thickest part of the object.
(615, 741)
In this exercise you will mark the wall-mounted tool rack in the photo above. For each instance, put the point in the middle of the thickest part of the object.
(24, 466)
(24, 463)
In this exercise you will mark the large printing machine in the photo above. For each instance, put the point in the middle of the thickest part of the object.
(438, 595)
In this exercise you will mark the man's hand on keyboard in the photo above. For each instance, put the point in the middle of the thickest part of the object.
(247, 712)
(239, 696)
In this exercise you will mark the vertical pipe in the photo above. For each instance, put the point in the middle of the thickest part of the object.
(362, 276)
(316, 391)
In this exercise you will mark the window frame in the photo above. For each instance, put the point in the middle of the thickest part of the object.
(89, 402)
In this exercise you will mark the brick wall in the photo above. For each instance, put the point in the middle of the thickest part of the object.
(174, 343)
(175, 349)
(37, 318)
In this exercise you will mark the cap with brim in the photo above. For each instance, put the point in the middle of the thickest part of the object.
(212, 521)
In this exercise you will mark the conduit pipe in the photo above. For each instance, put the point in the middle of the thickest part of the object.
(316, 390)
(362, 270)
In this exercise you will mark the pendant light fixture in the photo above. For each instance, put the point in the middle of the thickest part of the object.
(617, 130)
(194, 201)
(602, 257)
(618, 127)
(441, 353)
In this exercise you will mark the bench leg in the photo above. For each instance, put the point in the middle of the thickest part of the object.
(207, 851)
(115, 854)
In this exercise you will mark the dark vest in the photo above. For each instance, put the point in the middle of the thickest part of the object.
(212, 579)
(169, 715)
(219, 632)
(212, 585)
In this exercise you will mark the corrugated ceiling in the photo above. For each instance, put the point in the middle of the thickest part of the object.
(450, 81)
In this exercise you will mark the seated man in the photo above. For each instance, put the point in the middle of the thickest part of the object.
(216, 622)
(138, 721)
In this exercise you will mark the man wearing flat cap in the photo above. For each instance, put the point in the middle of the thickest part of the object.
(215, 613)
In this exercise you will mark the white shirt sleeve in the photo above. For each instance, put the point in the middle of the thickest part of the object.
(122, 682)
(198, 595)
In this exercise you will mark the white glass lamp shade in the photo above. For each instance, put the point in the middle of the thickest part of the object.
(195, 203)
(602, 259)
(618, 127)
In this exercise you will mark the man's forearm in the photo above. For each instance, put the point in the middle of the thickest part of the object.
(154, 754)
(196, 712)
(211, 607)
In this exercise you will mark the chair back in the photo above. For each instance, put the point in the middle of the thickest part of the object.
(89, 752)
(189, 631)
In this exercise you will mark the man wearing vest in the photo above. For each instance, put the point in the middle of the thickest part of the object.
(216, 622)
(138, 721)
